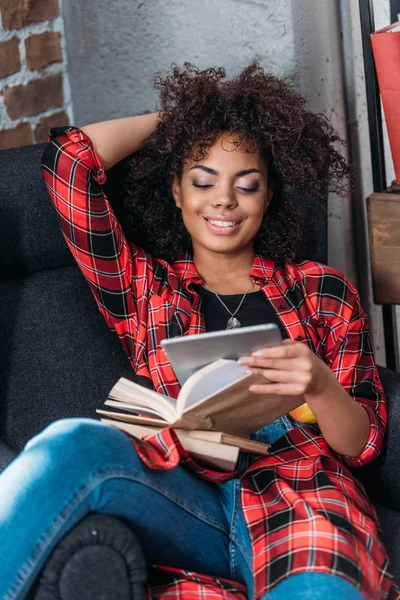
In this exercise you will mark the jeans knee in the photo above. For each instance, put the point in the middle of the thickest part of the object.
(64, 431)
(79, 441)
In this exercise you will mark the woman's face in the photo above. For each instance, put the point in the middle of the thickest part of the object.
(223, 197)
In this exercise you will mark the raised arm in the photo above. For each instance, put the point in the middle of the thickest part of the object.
(116, 139)
(120, 274)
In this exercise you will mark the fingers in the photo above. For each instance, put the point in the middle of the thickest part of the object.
(288, 349)
(287, 383)
(290, 389)
(287, 369)
(275, 376)
(283, 364)
(289, 355)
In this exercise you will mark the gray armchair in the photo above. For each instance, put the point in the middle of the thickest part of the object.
(59, 359)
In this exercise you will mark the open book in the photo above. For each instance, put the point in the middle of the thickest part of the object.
(216, 399)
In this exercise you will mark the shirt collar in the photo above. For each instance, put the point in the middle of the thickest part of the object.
(261, 270)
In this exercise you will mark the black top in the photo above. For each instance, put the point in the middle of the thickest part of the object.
(255, 310)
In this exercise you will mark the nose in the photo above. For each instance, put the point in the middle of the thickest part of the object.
(224, 197)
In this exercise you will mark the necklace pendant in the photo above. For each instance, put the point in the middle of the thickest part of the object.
(233, 323)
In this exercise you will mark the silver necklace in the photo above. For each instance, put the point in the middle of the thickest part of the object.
(232, 323)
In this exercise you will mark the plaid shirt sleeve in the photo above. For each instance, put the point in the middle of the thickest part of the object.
(351, 358)
(119, 274)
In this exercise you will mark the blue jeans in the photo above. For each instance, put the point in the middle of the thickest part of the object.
(77, 466)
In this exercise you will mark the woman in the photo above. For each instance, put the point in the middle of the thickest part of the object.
(216, 236)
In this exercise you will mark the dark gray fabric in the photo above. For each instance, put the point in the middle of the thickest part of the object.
(315, 224)
(390, 523)
(58, 358)
(388, 479)
(382, 478)
(30, 238)
(98, 558)
(6, 455)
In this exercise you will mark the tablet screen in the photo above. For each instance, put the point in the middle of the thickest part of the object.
(188, 353)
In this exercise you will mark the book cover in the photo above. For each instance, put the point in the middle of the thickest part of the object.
(386, 51)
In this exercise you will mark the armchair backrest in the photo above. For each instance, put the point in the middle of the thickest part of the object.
(57, 356)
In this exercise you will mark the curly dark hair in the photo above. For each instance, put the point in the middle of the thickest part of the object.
(197, 106)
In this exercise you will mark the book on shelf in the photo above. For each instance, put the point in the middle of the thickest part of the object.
(214, 415)
(386, 50)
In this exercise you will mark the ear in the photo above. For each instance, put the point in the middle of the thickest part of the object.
(176, 192)
(270, 195)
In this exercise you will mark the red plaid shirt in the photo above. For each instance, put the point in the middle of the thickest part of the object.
(304, 509)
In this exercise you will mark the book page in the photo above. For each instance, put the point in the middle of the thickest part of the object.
(236, 410)
(131, 408)
(132, 393)
(213, 454)
(206, 381)
(131, 418)
(389, 28)
(151, 426)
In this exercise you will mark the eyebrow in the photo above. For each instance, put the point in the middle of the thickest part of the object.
(214, 172)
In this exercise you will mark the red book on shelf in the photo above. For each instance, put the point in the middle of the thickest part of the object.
(386, 50)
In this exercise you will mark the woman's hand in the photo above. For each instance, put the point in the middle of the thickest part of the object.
(291, 369)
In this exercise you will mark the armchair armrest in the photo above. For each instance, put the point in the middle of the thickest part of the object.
(98, 558)
(7, 454)
(382, 477)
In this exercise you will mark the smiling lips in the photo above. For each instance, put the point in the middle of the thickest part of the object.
(222, 225)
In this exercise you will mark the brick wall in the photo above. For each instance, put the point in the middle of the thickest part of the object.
(34, 86)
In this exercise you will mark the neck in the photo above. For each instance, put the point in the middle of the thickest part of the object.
(226, 274)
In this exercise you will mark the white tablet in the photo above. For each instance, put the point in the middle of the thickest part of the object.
(188, 353)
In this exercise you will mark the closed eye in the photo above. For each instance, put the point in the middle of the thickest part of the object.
(254, 189)
(243, 189)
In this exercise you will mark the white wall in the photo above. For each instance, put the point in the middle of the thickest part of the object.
(115, 47)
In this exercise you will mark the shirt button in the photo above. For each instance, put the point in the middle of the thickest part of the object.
(99, 172)
(282, 306)
(299, 338)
